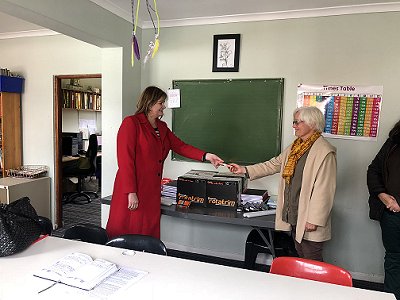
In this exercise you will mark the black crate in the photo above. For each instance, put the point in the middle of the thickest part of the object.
(192, 189)
(224, 192)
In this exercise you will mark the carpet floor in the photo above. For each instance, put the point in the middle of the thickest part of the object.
(80, 213)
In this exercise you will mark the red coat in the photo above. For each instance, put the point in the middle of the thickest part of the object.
(141, 154)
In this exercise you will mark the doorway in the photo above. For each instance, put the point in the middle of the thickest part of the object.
(59, 92)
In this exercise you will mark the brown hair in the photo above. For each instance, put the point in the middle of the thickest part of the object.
(148, 98)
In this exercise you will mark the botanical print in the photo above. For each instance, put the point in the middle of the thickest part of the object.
(226, 53)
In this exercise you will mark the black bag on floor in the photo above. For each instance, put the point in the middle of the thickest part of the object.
(19, 226)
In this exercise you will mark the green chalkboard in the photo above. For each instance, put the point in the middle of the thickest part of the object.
(239, 120)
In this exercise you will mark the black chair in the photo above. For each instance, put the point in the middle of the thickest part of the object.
(283, 246)
(87, 233)
(139, 242)
(45, 225)
(81, 168)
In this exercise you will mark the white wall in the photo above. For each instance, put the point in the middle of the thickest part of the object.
(88, 22)
(354, 49)
(38, 60)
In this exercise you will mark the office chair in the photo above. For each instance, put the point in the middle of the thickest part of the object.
(311, 269)
(81, 171)
(139, 242)
(45, 225)
(282, 242)
(87, 233)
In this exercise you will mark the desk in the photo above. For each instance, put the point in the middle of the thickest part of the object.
(227, 217)
(169, 277)
(66, 158)
(37, 189)
(218, 215)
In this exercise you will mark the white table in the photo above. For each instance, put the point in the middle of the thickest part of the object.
(169, 277)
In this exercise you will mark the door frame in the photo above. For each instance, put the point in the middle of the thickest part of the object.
(58, 106)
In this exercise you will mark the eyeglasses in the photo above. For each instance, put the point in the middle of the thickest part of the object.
(297, 122)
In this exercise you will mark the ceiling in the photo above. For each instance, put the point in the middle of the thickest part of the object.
(191, 12)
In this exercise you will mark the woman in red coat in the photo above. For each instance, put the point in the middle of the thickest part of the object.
(143, 143)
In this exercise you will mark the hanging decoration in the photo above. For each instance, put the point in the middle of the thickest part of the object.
(153, 45)
(135, 45)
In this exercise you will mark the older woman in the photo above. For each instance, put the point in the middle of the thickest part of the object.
(307, 185)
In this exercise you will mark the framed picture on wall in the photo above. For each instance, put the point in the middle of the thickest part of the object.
(226, 51)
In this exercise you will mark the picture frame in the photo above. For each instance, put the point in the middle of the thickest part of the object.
(226, 50)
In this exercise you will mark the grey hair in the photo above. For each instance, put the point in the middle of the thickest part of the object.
(312, 116)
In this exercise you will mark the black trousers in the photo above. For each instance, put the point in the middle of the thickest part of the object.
(390, 226)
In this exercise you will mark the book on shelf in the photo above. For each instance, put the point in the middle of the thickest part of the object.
(82, 271)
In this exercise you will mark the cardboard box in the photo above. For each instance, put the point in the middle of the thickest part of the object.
(224, 192)
(211, 189)
(192, 188)
(11, 84)
(231, 175)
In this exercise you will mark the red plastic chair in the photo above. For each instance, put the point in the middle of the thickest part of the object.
(311, 269)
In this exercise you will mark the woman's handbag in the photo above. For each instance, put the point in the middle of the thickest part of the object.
(19, 226)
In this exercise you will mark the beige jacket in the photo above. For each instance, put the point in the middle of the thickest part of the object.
(317, 190)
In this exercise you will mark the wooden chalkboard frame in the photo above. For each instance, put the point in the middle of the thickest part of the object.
(240, 120)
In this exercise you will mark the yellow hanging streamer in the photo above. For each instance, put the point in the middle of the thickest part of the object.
(156, 45)
(158, 18)
(136, 17)
(156, 41)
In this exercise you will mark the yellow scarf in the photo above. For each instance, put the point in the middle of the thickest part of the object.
(298, 149)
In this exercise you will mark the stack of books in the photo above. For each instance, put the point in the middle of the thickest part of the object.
(169, 189)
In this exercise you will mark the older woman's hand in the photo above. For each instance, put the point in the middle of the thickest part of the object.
(236, 169)
(310, 227)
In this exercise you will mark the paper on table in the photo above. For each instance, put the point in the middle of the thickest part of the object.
(259, 213)
(167, 201)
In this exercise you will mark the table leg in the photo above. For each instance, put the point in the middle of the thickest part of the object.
(269, 242)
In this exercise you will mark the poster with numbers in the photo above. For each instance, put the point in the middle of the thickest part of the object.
(351, 111)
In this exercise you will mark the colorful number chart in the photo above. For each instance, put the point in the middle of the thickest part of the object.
(351, 112)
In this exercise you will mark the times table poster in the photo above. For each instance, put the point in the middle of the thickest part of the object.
(351, 111)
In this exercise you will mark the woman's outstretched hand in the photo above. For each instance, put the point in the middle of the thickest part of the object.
(214, 159)
(236, 169)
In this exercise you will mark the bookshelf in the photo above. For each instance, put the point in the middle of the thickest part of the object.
(81, 100)
(10, 139)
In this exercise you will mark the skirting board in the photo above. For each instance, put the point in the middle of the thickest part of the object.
(262, 259)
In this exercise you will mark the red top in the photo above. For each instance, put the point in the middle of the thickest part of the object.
(141, 154)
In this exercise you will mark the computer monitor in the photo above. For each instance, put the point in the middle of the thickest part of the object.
(69, 145)
(78, 136)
